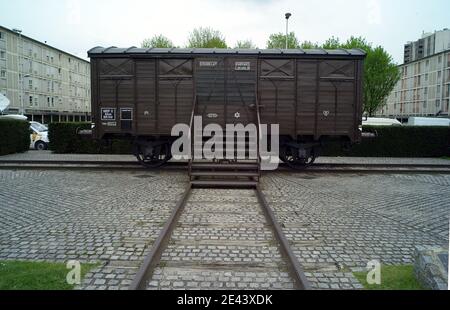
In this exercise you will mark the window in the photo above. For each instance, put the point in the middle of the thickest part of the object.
(439, 59)
(2, 55)
(31, 100)
(36, 101)
(126, 118)
(30, 84)
(53, 102)
(48, 101)
(427, 63)
(439, 75)
(438, 103)
(3, 73)
(424, 104)
(1, 35)
(426, 77)
(425, 91)
(438, 90)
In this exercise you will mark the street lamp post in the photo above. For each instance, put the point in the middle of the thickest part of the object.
(287, 28)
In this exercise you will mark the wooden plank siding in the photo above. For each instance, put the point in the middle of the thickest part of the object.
(307, 97)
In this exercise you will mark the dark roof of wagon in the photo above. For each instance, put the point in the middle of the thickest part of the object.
(97, 51)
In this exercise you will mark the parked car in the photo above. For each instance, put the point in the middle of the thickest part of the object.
(39, 136)
(428, 121)
(377, 121)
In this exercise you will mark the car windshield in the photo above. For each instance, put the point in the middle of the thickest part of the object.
(39, 127)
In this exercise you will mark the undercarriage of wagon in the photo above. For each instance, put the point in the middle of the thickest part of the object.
(154, 152)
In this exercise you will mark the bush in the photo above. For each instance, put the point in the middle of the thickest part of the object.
(392, 141)
(398, 141)
(64, 139)
(14, 136)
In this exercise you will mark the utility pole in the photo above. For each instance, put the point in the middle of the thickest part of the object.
(287, 28)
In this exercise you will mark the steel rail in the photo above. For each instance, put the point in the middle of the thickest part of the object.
(294, 266)
(316, 168)
(153, 257)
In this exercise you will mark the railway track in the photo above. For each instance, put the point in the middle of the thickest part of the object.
(128, 165)
(221, 239)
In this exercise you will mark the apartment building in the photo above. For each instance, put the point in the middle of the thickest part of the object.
(41, 81)
(424, 86)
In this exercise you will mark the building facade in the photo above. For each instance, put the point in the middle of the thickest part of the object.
(41, 81)
(424, 86)
(429, 45)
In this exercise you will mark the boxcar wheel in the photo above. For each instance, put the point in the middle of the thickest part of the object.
(289, 155)
(153, 157)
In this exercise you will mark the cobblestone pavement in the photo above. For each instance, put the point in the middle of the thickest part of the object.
(222, 241)
(104, 217)
(336, 223)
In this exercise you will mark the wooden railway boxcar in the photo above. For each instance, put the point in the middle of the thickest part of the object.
(313, 95)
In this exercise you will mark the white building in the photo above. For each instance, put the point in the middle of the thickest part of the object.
(41, 81)
(424, 86)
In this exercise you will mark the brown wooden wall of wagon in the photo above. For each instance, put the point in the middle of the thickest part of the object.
(146, 96)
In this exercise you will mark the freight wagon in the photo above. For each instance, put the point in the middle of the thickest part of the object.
(314, 95)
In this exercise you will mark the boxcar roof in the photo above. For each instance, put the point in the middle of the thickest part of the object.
(109, 51)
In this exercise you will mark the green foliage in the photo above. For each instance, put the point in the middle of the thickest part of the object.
(20, 275)
(14, 136)
(308, 45)
(245, 44)
(380, 72)
(206, 38)
(157, 41)
(398, 141)
(392, 278)
(64, 139)
(278, 40)
(332, 43)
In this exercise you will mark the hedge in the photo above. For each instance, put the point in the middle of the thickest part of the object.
(392, 141)
(398, 141)
(14, 136)
(64, 139)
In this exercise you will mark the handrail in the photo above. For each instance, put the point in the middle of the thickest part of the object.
(191, 123)
(258, 136)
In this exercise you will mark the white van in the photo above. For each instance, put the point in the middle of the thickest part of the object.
(378, 121)
(39, 136)
(428, 121)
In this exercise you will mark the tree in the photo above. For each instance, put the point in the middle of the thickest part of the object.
(308, 45)
(157, 41)
(245, 44)
(332, 43)
(206, 37)
(381, 75)
(380, 72)
(278, 40)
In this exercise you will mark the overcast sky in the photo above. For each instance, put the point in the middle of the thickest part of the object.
(77, 25)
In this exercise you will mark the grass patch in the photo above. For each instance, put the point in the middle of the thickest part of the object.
(392, 278)
(21, 275)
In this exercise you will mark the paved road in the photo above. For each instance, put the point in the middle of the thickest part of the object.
(335, 222)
